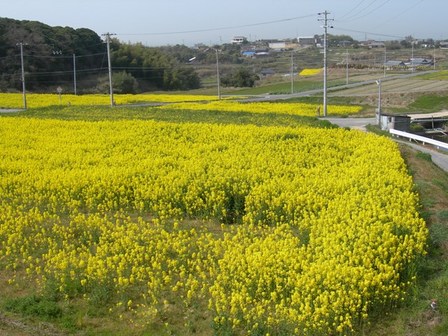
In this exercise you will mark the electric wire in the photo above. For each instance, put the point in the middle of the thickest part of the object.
(369, 33)
(361, 14)
(401, 13)
(353, 9)
(220, 28)
(360, 11)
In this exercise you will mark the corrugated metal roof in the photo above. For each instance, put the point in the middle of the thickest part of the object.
(435, 115)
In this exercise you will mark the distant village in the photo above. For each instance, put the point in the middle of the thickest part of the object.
(261, 48)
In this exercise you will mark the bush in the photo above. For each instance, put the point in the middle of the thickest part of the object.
(34, 306)
(122, 82)
(416, 128)
(240, 78)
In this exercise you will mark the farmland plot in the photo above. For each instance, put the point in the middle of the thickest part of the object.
(396, 86)
(279, 230)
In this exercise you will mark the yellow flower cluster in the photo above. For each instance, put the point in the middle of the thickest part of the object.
(15, 100)
(310, 72)
(301, 109)
(126, 213)
(179, 102)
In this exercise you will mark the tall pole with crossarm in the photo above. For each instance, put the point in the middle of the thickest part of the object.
(74, 75)
(111, 90)
(218, 79)
(325, 26)
(21, 44)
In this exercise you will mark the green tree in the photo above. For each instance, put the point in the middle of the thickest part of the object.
(47, 54)
(124, 82)
(153, 68)
(241, 77)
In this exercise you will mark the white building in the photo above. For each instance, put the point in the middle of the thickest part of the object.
(239, 40)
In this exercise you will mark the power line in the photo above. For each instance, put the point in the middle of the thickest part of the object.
(360, 12)
(43, 73)
(373, 10)
(221, 28)
(369, 33)
(353, 9)
(62, 56)
(402, 12)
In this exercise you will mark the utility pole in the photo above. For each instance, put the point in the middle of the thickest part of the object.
(21, 44)
(346, 67)
(110, 68)
(292, 72)
(378, 82)
(74, 74)
(434, 58)
(325, 26)
(218, 79)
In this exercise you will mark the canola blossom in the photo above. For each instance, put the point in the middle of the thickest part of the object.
(272, 230)
(301, 109)
(34, 100)
(177, 102)
(310, 72)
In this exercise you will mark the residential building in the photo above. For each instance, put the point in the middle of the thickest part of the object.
(239, 40)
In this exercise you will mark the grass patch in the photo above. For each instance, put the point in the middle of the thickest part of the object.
(429, 103)
(443, 215)
(300, 85)
(278, 88)
(424, 156)
(416, 316)
(439, 75)
(35, 306)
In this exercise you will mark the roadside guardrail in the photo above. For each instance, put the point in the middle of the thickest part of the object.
(424, 140)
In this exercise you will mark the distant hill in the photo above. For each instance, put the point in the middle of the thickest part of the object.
(49, 61)
(48, 53)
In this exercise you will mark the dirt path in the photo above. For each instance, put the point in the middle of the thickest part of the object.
(15, 327)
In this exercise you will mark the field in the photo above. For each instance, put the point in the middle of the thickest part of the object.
(182, 221)
(15, 100)
(178, 102)
(400, 86)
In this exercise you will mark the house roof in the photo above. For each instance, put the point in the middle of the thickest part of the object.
(435, 115)
(394, 63)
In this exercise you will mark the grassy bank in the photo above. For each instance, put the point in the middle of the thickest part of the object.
(416, 317)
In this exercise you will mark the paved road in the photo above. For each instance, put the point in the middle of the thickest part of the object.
(355, 123)
(9, 110)
(438, 157)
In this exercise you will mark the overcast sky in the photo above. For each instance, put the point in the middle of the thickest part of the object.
(162, 22)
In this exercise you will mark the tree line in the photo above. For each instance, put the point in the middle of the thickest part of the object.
(51, 55)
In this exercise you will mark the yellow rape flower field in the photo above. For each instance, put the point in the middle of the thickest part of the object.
(302, 109)
(15, 100)
(238, 229)
(178, 102)
(310, 72)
